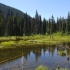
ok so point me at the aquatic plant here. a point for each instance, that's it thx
(41, 67)
(62, 69)
(62, 53)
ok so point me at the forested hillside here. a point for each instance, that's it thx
(15, 23)
(5, 9)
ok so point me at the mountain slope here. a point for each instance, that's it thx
(5, 8)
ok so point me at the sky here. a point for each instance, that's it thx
(45, 8)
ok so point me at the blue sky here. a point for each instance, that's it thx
(45, 8)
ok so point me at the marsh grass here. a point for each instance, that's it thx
(57, 38)
(8, 44)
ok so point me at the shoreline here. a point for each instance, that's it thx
(13, 41)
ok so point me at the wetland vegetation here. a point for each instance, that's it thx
(14, 41)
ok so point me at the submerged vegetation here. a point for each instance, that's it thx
(41, 67)
(62, 53)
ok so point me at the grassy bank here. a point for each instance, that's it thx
(53, 39)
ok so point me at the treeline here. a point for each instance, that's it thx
(19, 26)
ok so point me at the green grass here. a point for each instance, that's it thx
(53, 39)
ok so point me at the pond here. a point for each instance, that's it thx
(28, 58)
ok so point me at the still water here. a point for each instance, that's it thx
(31, 57)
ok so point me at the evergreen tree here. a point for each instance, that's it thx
(36, 23)
(9, 27)
(25, 24)
(29, 26)
(68, 22)
(2, 25)
(40, 25)
(44, 26)
(57, 24)
(16, 25)
(33, 26)
(60, 25)
(52, 25)
(63, 25)
(21, 26)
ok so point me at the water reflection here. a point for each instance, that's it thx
(28, 58)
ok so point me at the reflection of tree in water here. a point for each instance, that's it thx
(44, 49)
(25, 51)
(68, 52)
(37, 52)
(51, 49)
(14, 52)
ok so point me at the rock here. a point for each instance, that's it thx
(68, 58)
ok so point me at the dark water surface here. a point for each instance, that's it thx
(31, 57)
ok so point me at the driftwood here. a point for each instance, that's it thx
(61, 46)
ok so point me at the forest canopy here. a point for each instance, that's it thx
(17, 25)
